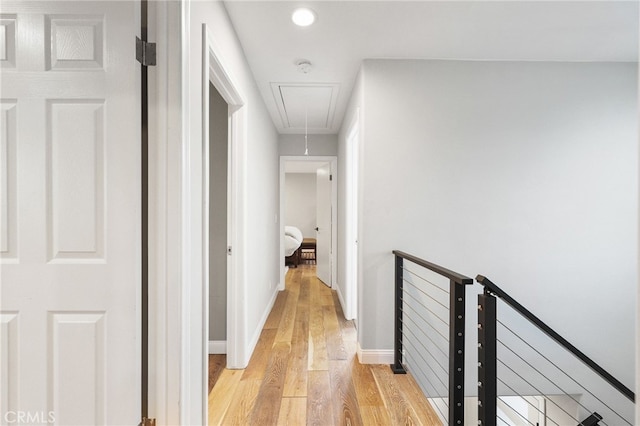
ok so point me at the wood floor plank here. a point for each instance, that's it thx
(273, 320)
(399, 408)
(346, 410)
(243, 402)
(416, 399)
(318, 357)
(370, 400)
(217, 363)
(345, 324)
(260, 358)
(374, 415)
(326, 297)
(333, 334)
(319, 407)
(347, 327)
(293, 412)
(304, 297)
(222, 394)
(267, 405)
(285, 328)
(295, 383)
(365, 384)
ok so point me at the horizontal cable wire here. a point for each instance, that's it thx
(426, 322)
(502, 420)
(426, 362)
(548, 379)
(562, 371)
(428, 351)
(426, 378)
(446, 400)
(426, 335)
(536, 408)
(515, 411)
(426, 294)
(445, 322)
(536, 389)
(426, 280)
(422, 377)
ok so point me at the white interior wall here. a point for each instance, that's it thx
(301, 202)
(523, 172)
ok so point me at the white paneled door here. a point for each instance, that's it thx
(70, 214)
(324, 228)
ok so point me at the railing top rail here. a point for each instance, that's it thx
(497, 291)
(457, 278)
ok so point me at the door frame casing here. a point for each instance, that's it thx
(215, 72)
(333, 161)
(166, 163)
(352, 255)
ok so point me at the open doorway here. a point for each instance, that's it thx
(218, 296)
(308, 201)
(218, 221)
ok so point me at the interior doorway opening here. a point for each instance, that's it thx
(319, 173)
(218, 220)
(227, 237)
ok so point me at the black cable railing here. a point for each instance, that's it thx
(430, 332)
(528, 374)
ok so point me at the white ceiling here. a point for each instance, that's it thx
(346, 32)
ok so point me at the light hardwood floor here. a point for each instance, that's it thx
(305, 371)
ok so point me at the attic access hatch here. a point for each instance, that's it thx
(317, 100)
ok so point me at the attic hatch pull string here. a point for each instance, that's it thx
(306, 146)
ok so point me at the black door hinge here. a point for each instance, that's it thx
(145, 52)
(330, 178)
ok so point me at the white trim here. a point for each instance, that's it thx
(333, 160)
(375, 356)
(193, 256)
(352, 213)
(263, 320)
(167, 130)
(186, 375)
(217, 347)
(341, 299)
(214, 71)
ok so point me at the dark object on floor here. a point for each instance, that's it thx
(308, 246)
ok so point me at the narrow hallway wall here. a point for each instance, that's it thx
(524, 172)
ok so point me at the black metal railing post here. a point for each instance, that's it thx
(493, 289)
(456, 334)
(397, 366)
(487, 359)
(456, 352)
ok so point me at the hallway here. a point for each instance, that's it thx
(304, 370)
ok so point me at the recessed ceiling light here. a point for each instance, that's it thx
(303, 17)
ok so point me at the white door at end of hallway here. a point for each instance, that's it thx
(70, 213)
(324, 231)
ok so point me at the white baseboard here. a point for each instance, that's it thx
(256, 335)
(342, 303)
(217, 347)
(375, 356)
